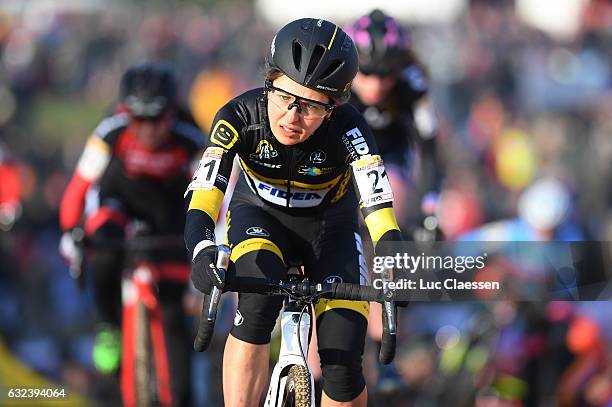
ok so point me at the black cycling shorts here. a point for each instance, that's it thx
(264, 239)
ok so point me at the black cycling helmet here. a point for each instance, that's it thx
(380, 43)
(148, 89)
(317, 54)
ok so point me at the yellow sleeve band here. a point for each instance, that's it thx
(254, 244)
(208, 201)
(381, 221)
(362, 307)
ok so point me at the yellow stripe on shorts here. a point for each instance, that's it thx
(254, 244)
(362, 307)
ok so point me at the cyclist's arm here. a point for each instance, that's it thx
(10, 189)
(91, 166)
(372, 183)
(207, 188)
(426, 124)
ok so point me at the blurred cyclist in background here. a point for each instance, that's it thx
(136, 165)
(390, 90)
(10, 191)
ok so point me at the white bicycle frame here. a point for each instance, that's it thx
(289, 355)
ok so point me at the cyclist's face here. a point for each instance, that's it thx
(289, 126)
(373, 89)
(152, 133)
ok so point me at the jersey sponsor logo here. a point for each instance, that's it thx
(257, 231)
(333, 279)
(298, 198)
(238, 318)
(224, 134)
(267, 165)
(314, 171)
(355, 142)
(317, 157)
(265, 151)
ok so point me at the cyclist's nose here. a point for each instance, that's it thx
(293, 115)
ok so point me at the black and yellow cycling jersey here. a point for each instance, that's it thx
(302, 179)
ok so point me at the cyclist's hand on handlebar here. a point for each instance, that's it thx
(71, 247)
(204, 272)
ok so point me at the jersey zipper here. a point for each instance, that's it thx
(290, 162)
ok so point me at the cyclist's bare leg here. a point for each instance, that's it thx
(360, 401)
(245, 372)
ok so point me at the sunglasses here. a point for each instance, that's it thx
(307, 108)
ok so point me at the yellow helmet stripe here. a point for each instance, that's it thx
(332, 38)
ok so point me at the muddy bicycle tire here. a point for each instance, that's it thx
(298, 392)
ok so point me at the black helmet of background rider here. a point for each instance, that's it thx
(317, 54)
(148, 90)
(381, 43)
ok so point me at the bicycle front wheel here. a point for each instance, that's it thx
(143, 367)
(298, 392)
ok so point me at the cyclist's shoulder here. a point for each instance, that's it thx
(247, 105)
(236, 116)
(412, 81)
(186, 131)
(111, 126)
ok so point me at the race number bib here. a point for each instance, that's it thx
(206, 174)
(372, 181)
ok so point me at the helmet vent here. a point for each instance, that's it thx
(331, 69)
(297, 55)
(317, 54)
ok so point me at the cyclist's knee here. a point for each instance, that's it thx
(343, 381)
(255, 318)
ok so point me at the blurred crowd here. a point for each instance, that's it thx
(517, 107)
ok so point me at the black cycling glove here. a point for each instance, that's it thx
(204, 271)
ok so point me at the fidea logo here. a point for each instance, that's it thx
(358, 141)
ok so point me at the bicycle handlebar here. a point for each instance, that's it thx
(298, 289)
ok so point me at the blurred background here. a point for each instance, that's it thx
(522, 91)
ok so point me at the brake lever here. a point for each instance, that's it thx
(223, 257)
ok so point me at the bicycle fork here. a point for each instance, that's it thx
(290, 353)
